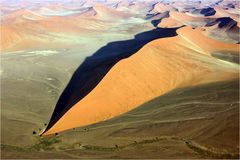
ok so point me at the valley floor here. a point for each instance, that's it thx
(196, 122)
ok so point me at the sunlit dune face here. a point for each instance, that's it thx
(160, 66)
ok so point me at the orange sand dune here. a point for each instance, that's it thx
(160, 66)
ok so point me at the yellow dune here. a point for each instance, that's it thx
(160, 66)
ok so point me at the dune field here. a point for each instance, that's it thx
(118, 79)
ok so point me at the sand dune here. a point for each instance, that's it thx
(196, 16)
(220, 28)
(25, 27)
(204, 11)
(160, 7)
(188, 20)
(157, 18)
(81, 18)
(225, 29)
(177, 18)
(106, 13)
(224, 13)
(149, 71)
(204, 44)
(170, 23)
(40, 27)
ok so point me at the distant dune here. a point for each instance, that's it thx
(41, 26)
(169, 23)
(209, 11)
(105, 13)
(148, 74)
(204, 44)
(159, 7)
(225, 29)
(225, 13)
(18, 25)
(26, 28)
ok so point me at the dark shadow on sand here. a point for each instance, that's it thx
(95, 67)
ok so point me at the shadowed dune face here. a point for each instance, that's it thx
(208, 11)
(134, 81)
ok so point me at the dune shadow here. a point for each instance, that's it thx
(223, 22)
(95, 67)
(209, 11)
